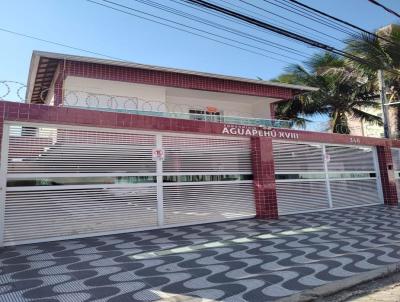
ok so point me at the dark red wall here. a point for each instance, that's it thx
(261, 146)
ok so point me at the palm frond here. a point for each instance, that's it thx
(367, 117)
(368, 47)
(321, 62)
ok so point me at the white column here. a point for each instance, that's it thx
(160, 193)
(378, 174)
(327, 181)
(3, 179)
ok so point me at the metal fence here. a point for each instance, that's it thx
(16, 92)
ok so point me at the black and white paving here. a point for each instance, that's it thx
(246, 260)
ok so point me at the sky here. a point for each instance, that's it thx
(85, 25)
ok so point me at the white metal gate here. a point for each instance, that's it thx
(312, 177)
(396, 168)
(68, 182)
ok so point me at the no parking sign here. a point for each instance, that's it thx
(158, 154)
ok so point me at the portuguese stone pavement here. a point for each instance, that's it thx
(247, 260)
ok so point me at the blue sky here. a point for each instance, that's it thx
(85, 25)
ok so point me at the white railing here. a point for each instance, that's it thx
(135, 105)
(16, 91)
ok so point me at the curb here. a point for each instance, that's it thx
(337, 286)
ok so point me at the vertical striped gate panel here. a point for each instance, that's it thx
(65, 182)
(300, 177)
(352, 175)
(396, 168)
(206, 179)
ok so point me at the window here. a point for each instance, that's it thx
(204, 115)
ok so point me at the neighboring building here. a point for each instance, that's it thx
(358, 127)
(362, 128)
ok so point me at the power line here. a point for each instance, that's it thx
(281, 31)
(298, 30)
(310, 17)
(225, 28)
(298, 23)
(277, 29)
(197, 29)
(187, 31)
(343, 28)
(58, 44)
(341, 21)
(239, 22)
(385, 8)
(323, 18)
(119, 59)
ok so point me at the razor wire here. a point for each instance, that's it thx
(16, 91)
(137, 105)
(12, 90)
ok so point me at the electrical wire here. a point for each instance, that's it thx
(279, 23)
(385, 8)
(197, 29)
(24, 35)
(285, 33)
(228, 29)
(285, 18)
(371, 34)
(311, 17)
(58, 44)
(294, 8)
(237, 22)
(184, 30)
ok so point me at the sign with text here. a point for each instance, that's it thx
(259, 131)
(158, 154)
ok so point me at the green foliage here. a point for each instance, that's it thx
(345, 89)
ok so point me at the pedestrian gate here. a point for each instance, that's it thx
(66, 182)
(312, 177)
(396, 168)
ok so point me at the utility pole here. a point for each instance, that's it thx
(382, 90)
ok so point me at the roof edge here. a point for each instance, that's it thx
(53, 55)
(31, 75)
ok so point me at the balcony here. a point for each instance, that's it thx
(134, 105)
(15, 91)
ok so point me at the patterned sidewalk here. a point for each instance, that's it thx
(247, 260)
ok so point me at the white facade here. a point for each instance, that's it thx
(87, 92)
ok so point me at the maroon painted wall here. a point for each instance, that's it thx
(261, 145)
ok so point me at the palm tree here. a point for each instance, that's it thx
(382, 53)
(342, 93)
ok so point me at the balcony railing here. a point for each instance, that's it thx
(11, 91)
(134, 105)
(203, 117)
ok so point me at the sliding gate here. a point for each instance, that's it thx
(311, 177)
(66, 182)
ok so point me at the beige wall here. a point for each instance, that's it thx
(364, 128)
(158, 98)
(77, 89)
(182, 100)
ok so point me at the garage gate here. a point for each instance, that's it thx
(311, 177)
(69, 182)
